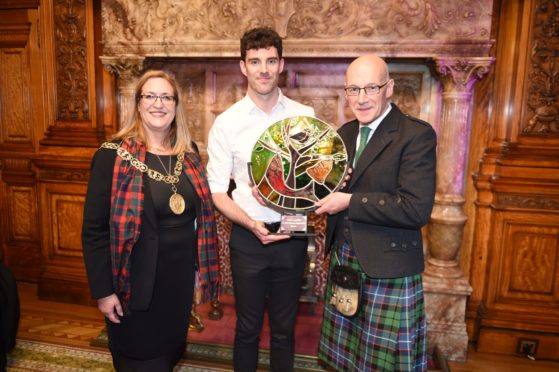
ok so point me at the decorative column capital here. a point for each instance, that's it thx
(124, 67)
(459, 74)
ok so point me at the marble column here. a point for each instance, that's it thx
(446, 288)
(127, 70)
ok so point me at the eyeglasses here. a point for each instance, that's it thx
(152, 98)
(369, 89)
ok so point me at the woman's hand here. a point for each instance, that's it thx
(110, 307)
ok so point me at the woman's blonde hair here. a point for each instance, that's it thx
(133, 128)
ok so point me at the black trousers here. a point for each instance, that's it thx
(164, 363)
(275, 272)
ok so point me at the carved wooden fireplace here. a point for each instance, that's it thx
(436, 53)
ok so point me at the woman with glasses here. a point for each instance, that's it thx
(148, 228)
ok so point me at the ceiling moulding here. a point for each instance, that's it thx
(326, 28)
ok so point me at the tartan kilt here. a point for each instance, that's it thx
(388, 333)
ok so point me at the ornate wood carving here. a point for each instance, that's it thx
(330, 27)
(528, 202)
(542, 104)
(62, 170)
(408, 89)
(391, 20)
(72, 82)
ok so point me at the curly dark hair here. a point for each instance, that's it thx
(258, 38)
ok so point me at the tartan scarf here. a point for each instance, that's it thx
(126, 221)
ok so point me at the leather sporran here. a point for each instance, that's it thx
(346, 290)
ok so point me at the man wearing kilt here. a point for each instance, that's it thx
(374, 227)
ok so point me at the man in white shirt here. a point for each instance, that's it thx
(263, 264)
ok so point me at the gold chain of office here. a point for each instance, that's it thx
(171, 179)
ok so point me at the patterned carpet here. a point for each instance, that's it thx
(36, 356)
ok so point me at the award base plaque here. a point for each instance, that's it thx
(295, 224)
(296, 162)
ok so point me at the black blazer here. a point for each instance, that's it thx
(96, 238)
(393, 191)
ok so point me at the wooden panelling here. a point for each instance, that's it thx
(14, 28)
(19, 4)
(66, 228)
(515, 252)
(63, 275)
(48, 132)
(21, 231)
(531, 264)
(16, 129)
(14, 91)
(18, 120)
(500, 341)
(526, 253)
(21, 206)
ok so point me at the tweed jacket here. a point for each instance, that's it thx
(392, 191)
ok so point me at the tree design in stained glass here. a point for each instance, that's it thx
(298, 161)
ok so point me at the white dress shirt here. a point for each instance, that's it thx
(373, 125)
(230, 143)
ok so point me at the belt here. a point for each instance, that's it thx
(272, 226)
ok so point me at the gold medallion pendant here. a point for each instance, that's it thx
(176, 203)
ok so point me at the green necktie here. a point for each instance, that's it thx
(363, 139)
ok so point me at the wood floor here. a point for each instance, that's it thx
(75, 325)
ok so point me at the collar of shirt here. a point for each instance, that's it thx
(375, 123)
(251, 107)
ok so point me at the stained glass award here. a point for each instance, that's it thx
(296, 162)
